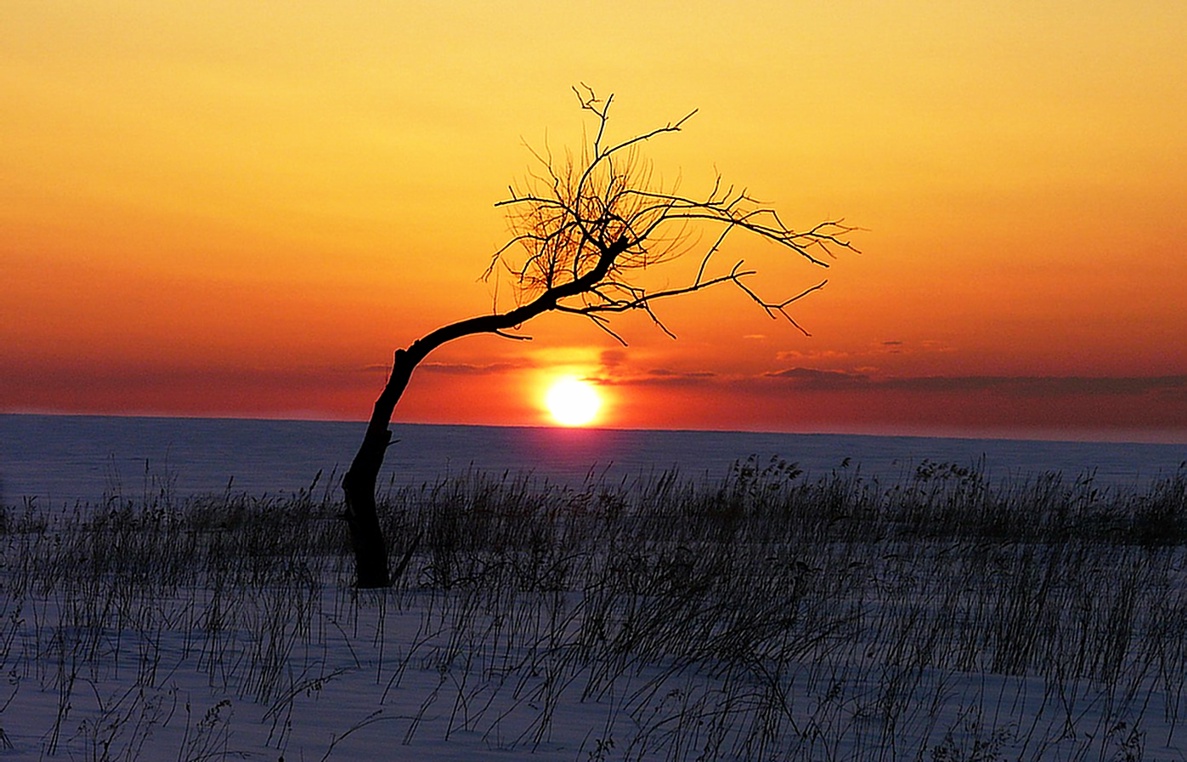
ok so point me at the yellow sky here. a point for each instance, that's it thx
(240, 208)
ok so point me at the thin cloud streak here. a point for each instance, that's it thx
(818, 380)
(475, 369)
(1033, 386)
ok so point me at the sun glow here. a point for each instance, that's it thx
(573, 402)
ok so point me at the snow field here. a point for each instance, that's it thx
(758, 618)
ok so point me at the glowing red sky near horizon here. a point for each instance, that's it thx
(228, 210)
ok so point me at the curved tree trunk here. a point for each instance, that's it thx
(359, 483)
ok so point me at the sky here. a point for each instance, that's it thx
(243, 209)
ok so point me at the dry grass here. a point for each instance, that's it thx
(765, 616)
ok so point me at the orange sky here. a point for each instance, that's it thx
(242, 209)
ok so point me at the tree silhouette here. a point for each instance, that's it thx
(583, 229)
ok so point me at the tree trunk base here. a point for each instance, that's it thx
(362, 517)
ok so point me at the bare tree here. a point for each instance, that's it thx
(583, 229)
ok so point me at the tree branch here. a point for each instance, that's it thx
(585, 228)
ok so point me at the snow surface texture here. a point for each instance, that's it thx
(746, 621)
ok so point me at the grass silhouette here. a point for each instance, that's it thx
(765, 615)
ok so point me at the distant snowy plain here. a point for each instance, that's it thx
(918, 610)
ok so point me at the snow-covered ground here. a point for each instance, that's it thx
(583, 626)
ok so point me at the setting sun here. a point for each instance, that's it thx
(573, 402)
